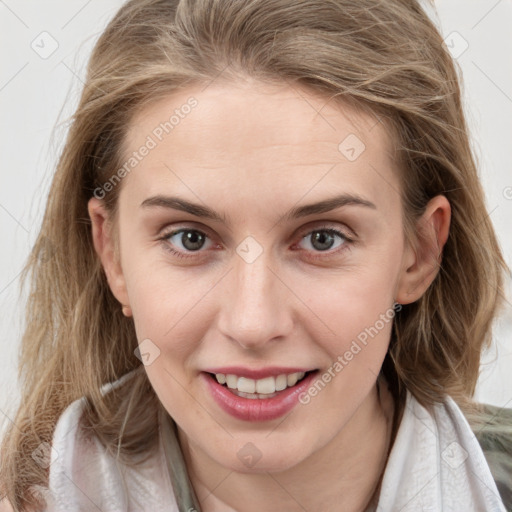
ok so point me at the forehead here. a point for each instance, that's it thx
(255, 137)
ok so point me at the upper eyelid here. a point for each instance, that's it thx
(326, 227)
(165, 231)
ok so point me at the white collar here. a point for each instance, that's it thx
(436, 464)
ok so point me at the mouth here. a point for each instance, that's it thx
(257, 400)
(265, 388)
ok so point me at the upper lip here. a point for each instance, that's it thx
(253, 373)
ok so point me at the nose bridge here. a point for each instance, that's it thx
(256, 310)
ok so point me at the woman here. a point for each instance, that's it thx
(268, 235)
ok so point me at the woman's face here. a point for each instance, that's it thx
(260, 234)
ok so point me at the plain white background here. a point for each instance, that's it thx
(44, 50)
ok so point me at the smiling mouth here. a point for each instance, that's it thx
(268, 387)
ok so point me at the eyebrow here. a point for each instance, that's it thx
(297, 212)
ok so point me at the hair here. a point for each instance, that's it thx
(383, 58)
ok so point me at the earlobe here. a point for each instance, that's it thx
(422, 263)
(105, 246)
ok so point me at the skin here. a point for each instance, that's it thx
(251, 152)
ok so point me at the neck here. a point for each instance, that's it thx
(344, 475)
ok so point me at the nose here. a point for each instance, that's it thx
(256, 308)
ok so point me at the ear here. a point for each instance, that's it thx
(106, 246)
(422, 262)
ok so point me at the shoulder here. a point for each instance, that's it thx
(77, 457)
(493, 429)
(83, 470)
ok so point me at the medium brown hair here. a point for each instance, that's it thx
(386, 58)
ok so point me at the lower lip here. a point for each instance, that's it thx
(258, 409)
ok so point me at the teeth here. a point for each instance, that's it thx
(246, 385)
(231, 381)
(266, 386)
(281, 382)
(292, 379)
(253, 396)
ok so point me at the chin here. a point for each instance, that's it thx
(250, 459)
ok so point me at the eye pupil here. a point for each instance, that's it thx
(192, 240)
(320, 237)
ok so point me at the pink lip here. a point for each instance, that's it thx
(264, 409)
(271, 371)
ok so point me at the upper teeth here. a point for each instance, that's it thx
(268, 385)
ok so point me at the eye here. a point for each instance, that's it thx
(184, 242)
(326, 240)
(191, 240)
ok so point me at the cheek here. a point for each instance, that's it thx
(158, 293)
(354, 308)
(170, 311)
(354, 328)
(163, 303)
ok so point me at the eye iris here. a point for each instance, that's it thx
(323, 238)
(192, 240)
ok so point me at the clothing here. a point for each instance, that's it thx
(436, 464)
(495, 438)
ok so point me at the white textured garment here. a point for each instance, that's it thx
(436, 465)
(83, 477)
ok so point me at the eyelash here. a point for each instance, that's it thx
(348, 241)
